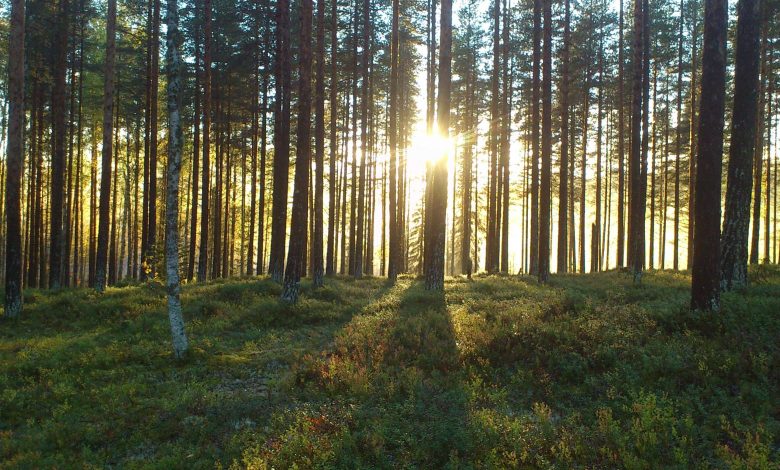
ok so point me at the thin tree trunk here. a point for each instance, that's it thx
(206, 181)
(563, 195)
(101, 257)
(317, 265)
(57, 182)
(175, 142)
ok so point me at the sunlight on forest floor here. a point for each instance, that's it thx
(499, 372)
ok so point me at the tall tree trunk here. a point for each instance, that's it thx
(151, 232)
(101, 257)
(637, 202)
(736, 221)
(195, 159)
(678, 141)
(206, 181)
(693, 143)
(295, 259)
(705, 286)
(584, 182)
(545, 187)
(506, 138)
(14, 163)
(175, 142)
(434, 276)
(263, 152)
(393, 261)
(621, 236)
(361, 196)
(563, 195)
(758, 166)
(596, 255)
(93, 205)
(535, 147)
(317, 265)
(57, 183)
(491, 254)
(333, 188)
(281, 141)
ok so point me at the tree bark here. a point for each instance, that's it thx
(101, 257)
(195, 158)
(705, 286)
(175, 142)
(317, 265)
(14, 163)
(563, 195)
(206, 181)
(434, 277)
(296, 259)
(736, 222)
(545, 187)
(392, 270)
(281, 141)
(57, 183)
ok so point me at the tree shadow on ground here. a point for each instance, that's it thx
(388, 394)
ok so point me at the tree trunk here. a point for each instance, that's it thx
(637, 202)
(705, 288)
(317, 265)
(195, 166)
(14, 163)
(57, 182)
(535, 148)
(434, 277)
(392, 270)
(678, 140)
(736, 222)
(296, 260)
(175, 142)
(263, 152)
(281, 141)
(361, 195)
(333, 187)
(206, 177)
(563, 195)
(101, 257)
(693, 124)
(545, 187)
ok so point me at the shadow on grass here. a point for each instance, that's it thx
(387, 394)
(90, 377)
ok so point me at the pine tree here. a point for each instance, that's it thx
(437, 211)
(101, 258)
(298, 233)
(14, 163)
(545, 187)
(705, 285)
(734, 240)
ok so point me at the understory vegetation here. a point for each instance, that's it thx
(586, 372)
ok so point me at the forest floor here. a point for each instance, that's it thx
(588, 372)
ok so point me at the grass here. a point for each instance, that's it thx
(588, 372)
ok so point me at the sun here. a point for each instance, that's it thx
(428, 148)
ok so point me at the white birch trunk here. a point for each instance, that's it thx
(172, 285)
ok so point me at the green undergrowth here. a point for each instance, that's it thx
(498, 372)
